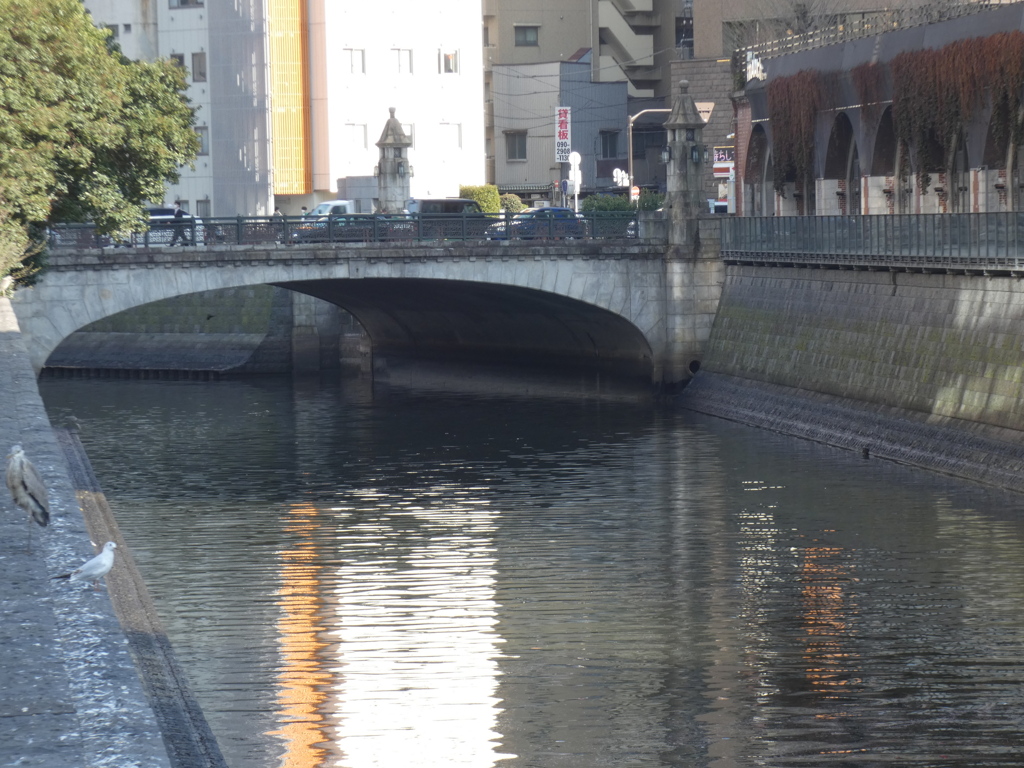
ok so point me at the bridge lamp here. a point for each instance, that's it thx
(666, 154)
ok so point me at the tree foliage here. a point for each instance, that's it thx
(512, 203)
(85, 133)
(606, 203)
(648, 201)
(485, 194)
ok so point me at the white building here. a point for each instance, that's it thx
(423, 59)
(291, 96)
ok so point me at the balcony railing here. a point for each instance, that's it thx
(913, 241)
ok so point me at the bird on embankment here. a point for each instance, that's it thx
(95, 569)
(27, 489)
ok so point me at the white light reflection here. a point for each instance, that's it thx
(417, 650)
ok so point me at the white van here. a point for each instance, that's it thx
(333, 208)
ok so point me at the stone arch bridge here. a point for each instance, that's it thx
(624, 307)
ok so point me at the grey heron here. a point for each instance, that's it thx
(95, 569)
(27, 489)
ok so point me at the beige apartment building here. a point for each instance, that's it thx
(630, 41)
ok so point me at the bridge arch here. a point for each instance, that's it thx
(595, 306)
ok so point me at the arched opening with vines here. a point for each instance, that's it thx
(841, 174)
(883, 166)
(757, 186)
(929, 175)
(992, 176)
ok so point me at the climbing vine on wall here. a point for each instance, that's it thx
(793, 104)
(934, 94)
(871, 83)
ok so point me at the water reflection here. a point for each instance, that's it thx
(303, 678)
(415, 666)
(364, 581)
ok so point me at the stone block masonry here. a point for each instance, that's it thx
(72, 697)
(920, 368)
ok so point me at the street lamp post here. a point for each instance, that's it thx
(629, 139)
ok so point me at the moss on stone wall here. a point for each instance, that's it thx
(229, 310)
(943, 345)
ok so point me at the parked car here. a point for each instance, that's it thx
(332, 208)
(346, 228)
(539, 223)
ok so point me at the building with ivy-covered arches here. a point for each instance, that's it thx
(925, 116)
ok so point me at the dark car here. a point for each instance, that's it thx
(347, 228)
(442, 205)
(540, 223)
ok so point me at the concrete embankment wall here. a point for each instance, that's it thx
(72, 696)
(89, 676)
(925, 369)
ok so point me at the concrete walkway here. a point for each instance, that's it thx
(70, 695)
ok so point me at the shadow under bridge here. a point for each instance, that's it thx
(473, 322)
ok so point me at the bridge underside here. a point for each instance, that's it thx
(487, 323)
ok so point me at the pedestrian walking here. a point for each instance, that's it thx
(179, 226)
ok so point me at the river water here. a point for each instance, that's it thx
(404, 579)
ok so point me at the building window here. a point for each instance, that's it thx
(404, 58)
(610, 145)
(127, 29)
(203, 209)
(187, 3)
(448, 62)
(356, 60)
(198, 67)
(527, 35)
(204, 139)
(355, 135)
(113, 31)
(515, 146)
(452, 133)
(178, 59)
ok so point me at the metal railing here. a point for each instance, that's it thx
(939, 241)
(352, 228)
(858, 25)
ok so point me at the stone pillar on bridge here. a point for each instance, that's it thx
(694, 270)
(393, 170)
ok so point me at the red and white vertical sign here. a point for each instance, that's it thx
(563, 135)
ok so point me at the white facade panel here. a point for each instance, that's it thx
(423, 59)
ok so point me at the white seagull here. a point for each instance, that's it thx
(27, 489)
(95, 569)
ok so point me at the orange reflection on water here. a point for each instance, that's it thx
(826, 619)
(302, 679)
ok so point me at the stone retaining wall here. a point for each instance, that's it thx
(72, 694)
(920, 368)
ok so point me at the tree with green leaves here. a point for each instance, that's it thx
(512, 203)
(85, 133)
(485, 194)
